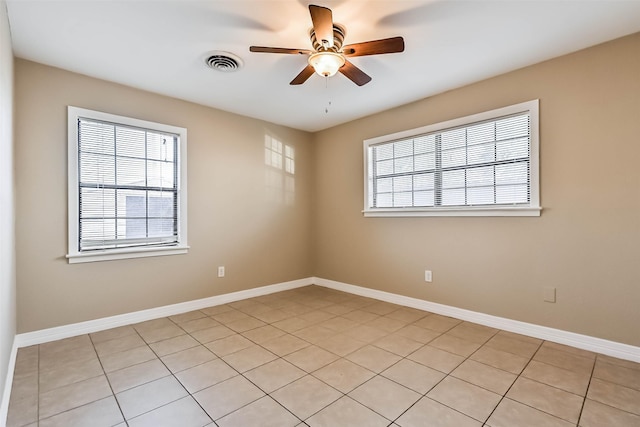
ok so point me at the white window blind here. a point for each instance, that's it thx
(126, 185)
(475, 164)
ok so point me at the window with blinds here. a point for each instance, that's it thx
(127, 188)
(484, 164)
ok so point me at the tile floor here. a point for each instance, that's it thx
(318, 357)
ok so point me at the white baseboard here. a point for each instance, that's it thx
(598, 345)
(90, 326)
(585, 342)
(8, 384)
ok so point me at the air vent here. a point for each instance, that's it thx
(223, 61)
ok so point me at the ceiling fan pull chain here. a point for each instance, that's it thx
(326, 86)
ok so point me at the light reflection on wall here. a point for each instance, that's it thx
(280, 171)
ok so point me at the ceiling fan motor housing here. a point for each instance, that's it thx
(338, 38)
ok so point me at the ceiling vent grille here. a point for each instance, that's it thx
(223, 61)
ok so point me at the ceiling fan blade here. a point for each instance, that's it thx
(322, 19)
(375, 47)
(354, 74)
(279, 50)
(303, 76)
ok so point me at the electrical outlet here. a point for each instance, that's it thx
(549, 294)
(428, 277)
(221, 271)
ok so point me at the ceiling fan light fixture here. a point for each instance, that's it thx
(326, 63)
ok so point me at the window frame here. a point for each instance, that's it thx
(532, 209)
(74, 254)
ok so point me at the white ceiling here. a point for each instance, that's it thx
(160, 46)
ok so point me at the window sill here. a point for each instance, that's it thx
(466, 211)
(114, 254)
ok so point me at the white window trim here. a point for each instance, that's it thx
(534, 207)
(74, 255)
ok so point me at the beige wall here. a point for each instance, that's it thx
(7, 236)
(240, 215)
(586, 243)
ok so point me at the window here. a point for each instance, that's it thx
(127, 187)
(482, 165)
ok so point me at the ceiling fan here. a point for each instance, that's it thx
(329, 56)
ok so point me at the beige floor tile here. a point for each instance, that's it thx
(596, 414)
(429, 413)
(366, 333)
(573, 382)
(136, 375)
(27, 360)
(247, 324)
(500, 359)
(205, 336)
(101, 413)
(73, 395)
(65, 357)
(485, 376)
(114, 361)
(54, 378)
(387, 324)
(511, 414)
(548, 399)
(341, 344)
(150, 325)
(385, 397)
(229, 345)
(205, 375)
(346, 412)
(264, 412)
(306, 396)
(407, 314)
(228, 396)
(184, 412)
(314, 333)
(249, 358)
(230, 316)
(25, 385)
(147, 397)
(435, 358)
(285, 344)
(337, 309)
(117, 345)
(615, 395)
(311, 358)
(471, 400)
(381, 308)
(22, 411)
(563, 359)
(215, 310)
(173, 345)
(189, 358)
(418, 334)
(619, 362)
(199, 324)
(65, 345)
(162, 333)
(617, 374)
(373, 358)
(274, 375)
(413, 375)
(188, 316)
(343, 375)
(339, 324)
(262, 334)
(113, 333)
(455, 345)
(513, 345)
(273, 315)
(292, 324)
(360, 316)
(573, 350)
(437, 322)
(316, 316)
(472, 332)
(398, 344)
